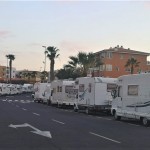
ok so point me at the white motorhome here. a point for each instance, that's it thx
(60, 92)
(132, 98)
(39, 91)
(19, 88)
(94, 93)
(47, 94)
(27, 88)
(12, 89)
(3, 89)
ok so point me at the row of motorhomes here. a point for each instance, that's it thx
(127, 96)
(12, 89)
(85, 93)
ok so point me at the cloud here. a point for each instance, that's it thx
(71, 46)
(5, 33)
(147, 4)
(34, 44)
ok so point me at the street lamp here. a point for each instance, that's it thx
(45, 58)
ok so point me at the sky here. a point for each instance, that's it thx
(72, 27)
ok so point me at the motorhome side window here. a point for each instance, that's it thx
(133, 90)
(60, 89)
(119, 91)
(68, 89)
(111, 87)
(54, 90)
(77, 82)
(81, 88)
(90, 87)
(57, 88)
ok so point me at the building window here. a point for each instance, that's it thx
(103, 55)
(109, 54)
(116, 68)
(102, 67)
(108, 67)
(127, 69)
(121, 56)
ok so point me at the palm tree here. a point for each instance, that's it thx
(132, 63)
(43, 76)
(52, 54)
(73, 63)
(11, 57)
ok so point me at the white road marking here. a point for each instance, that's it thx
(9, 96)
(58, 121)
(36, 114)
(4, 100)
(105, 137)
(24, 109)
(28, 96)
(16, 100)
(104, 118)
(36, 131)
(10, 100)
(133, 124)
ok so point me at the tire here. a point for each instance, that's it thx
(145, 121)
(87, 111)
(48, 102)
(116, 117)
(75, 108)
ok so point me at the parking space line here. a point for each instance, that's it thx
(36, 114)
(58, 121)
(133, 124)
(104, 137)
(104, 118)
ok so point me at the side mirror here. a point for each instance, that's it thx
(113, 93)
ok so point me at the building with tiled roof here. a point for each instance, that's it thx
(115, 59)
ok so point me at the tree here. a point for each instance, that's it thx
(11, 57)
(132, 63)
(73, 62)
(43, 76)
(81, 63)
(98, 62)
(52, 55)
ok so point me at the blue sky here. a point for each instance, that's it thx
(71, 26)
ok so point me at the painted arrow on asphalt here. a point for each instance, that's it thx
(37, 131)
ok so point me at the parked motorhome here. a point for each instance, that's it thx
(60, 92)
(41, 92)
(19, 88)
(94, 93)
(27, 88)
(12, 89)
(3, 89)
(132, 98)
(47, 94)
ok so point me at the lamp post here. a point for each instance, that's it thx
(45, 58)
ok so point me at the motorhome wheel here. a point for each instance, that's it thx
(116, 116)
(145, 121)
(87, 111)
